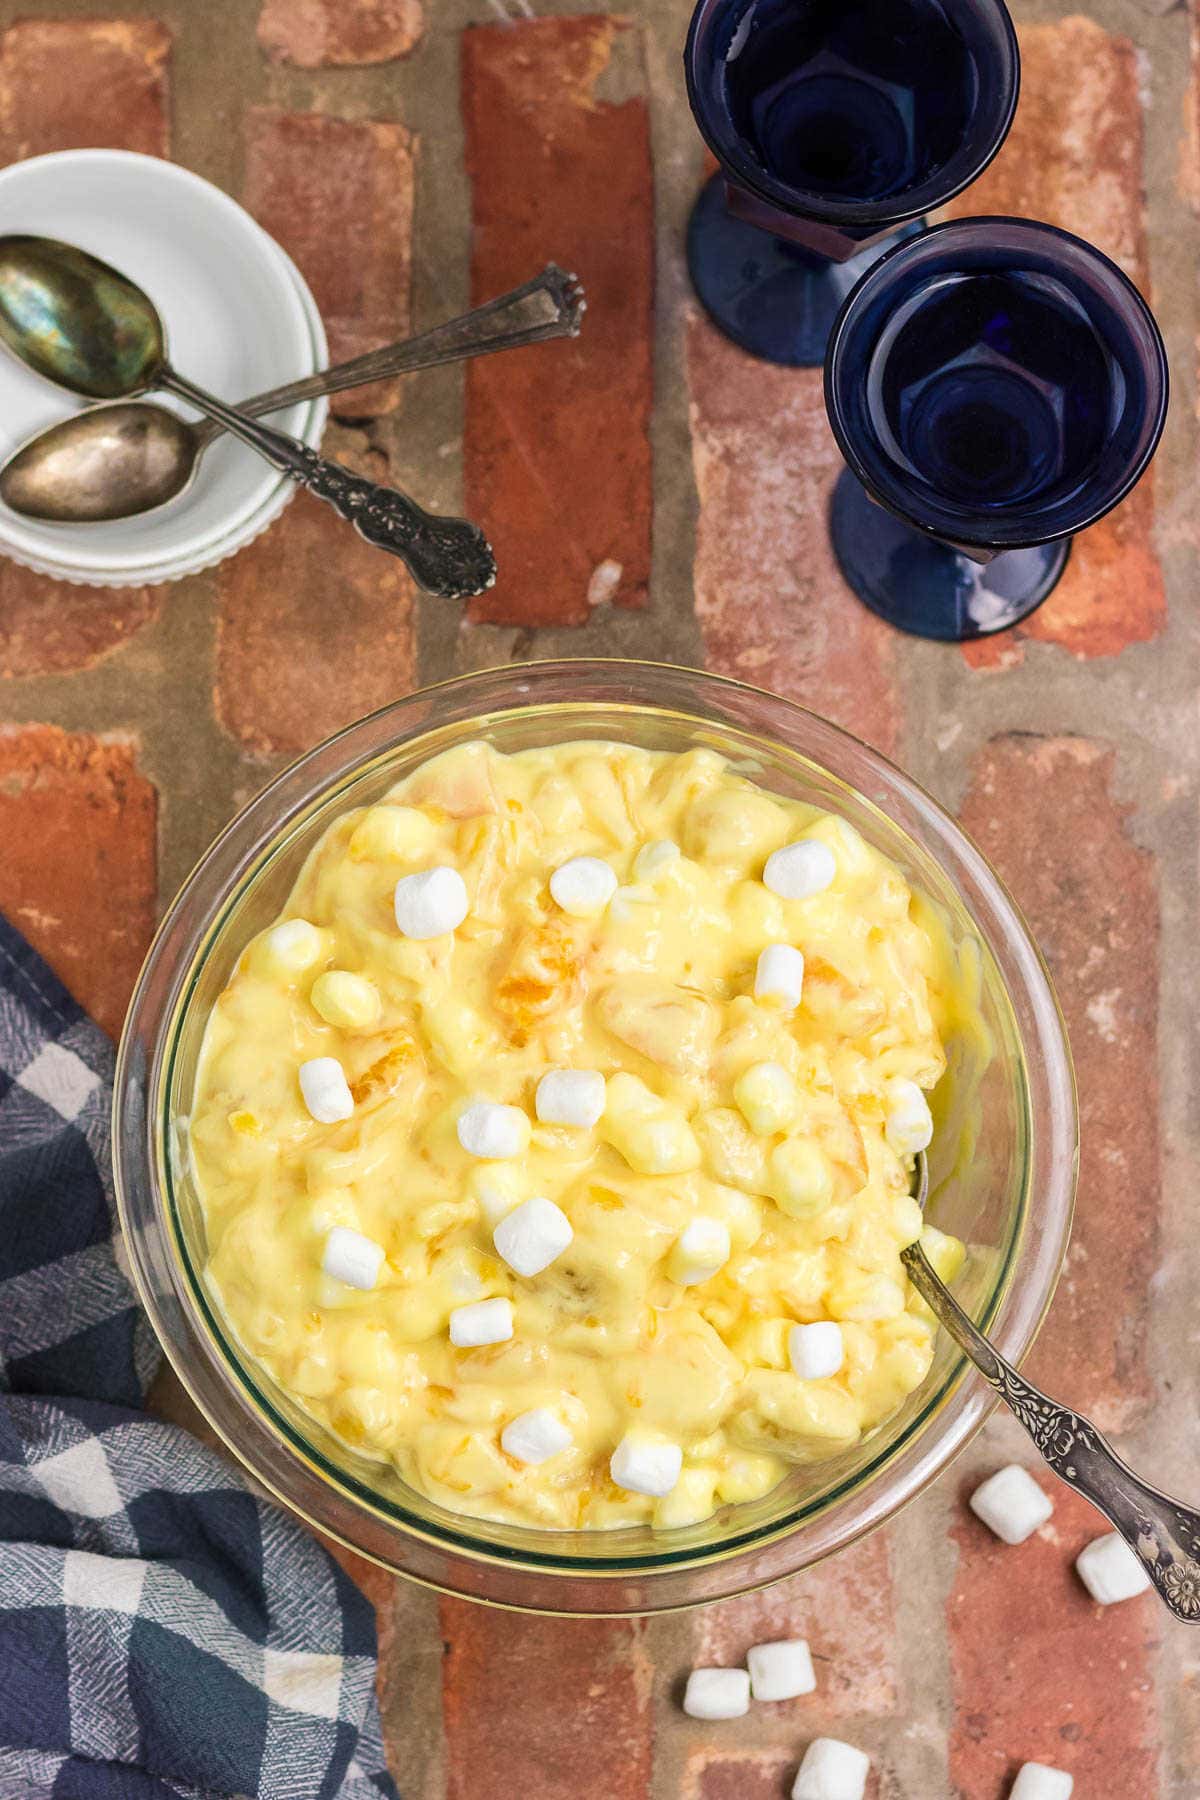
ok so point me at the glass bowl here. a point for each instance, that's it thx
(1003, 1162)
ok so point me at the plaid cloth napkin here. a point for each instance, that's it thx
(163, 1631)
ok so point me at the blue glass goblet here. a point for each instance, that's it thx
(995, 386)
(837, 124)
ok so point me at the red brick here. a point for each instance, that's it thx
(314, 626)
(1189, 150)
(557, 447)
(48, 627)
(1074, 158)
(552, 1708)
(1044, 811)
(1042, 1674)
(338, 195)
(772, 606)
(77, 876)
(67, 84)
(739, 1775)
(316, 34)
(846, 1610)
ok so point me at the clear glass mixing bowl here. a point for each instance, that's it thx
(1003, 1163)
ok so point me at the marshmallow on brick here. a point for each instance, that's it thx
(779, 976)
(800, 870)
(1110, 1571)
(352, 1258)
(583, 886)
(533, 1235)
(782, 1670)
(483, 1322)
(431, 903)
(325, 1090)
(816, 1351)
(534, 1437)
(717, 1694)
(1038, 1781)
(644, 1463)
(1011, 1504)
(832, 1770)
(571, 1097)
(493, 1132)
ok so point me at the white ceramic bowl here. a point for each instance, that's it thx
(239, 319)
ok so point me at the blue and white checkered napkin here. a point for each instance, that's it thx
(162, 1630)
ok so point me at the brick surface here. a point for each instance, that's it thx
(557, 450)
(66, 84)
(734, 1775)
(1042, 1674)
(51, 627)
(77, 874)
(314, 34)
(303, 172)
(552, 1708)
(1044, 811)
(1074, 157)
(772, 606)
(314, 626)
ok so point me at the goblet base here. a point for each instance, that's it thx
(774, 298)
(929, 588)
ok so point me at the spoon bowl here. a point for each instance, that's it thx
(112, 462)
(76, 321)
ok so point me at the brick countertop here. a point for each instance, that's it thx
(652, 491)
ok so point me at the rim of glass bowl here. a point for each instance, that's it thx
(932, 192)
(894, 494)
(464, 1559)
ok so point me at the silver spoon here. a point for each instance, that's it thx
(1163, 1534)
(85, 326)
(123, 458)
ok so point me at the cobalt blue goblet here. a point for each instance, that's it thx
(837, 124)
(995, 386)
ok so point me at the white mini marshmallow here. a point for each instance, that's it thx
(571, 1097)
(534, 1437)
(782, 1670)
(816, 1351)
(295, 945)
(325, 1090)
(483, 1322)
(350, 1257)
(583, 885)
(644, 1463)
(532, 1235)
(491, 1131)
(779, 975)
(1110, 1571)
(908, 1123)
(800, 870)
(653, 858)
(699, 1251)
(431, 903)
(832, 1770)
(630, 902)
(1011, 1504)
(717, 1694)
(1038, 1781)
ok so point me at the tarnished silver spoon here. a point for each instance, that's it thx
(88, 328)
(1163, 1534)
(123, 458)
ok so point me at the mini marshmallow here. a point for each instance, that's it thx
(717, 1694)
(628, 902)
(325, 1089)
(496, 1186)
(491, 1131)
(699, 1251)
(483, 1322)
(765, 1095)
(1110, 1571)
(644, 1463)
(779, 975)
(653, 858)
(1038, 1781)
(350, 1257)
(1011, 1504)
(800, 870)
(816, 1351)
(534, 1437)
(431, 903)
(782, 1670)
(346, 1000)
(583, 885)
(295, 945)
(832, 1770)
(571, 1097)
(908, 1123)
(531, 1236)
